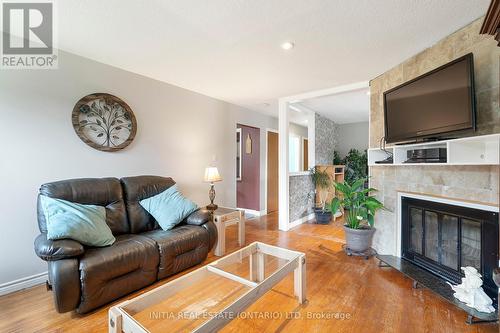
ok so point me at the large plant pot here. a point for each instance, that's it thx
(358, 240)
(322, 217)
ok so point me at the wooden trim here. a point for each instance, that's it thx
(231, 276)
(278, 251)
(492, 18)
(132, 325)
(238, 255)
(491, 23)
(115, 320)
(240, 146)
(299, 280)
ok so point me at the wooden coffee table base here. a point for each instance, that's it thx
(222, 218)
(131, 316)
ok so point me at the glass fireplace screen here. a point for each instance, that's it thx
(445, 239)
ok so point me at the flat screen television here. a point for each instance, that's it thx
(432, 105)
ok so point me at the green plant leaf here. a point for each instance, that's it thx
(335, 205)
(356, 165)
(368, 190)
(343, 188)
(371, 220)
(373, 204)
(358, 205)
(358, 183)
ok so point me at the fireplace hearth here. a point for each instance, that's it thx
(441, 238)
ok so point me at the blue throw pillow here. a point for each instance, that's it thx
(83, 223)
(169, 207)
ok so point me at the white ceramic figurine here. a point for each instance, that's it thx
(471, 292)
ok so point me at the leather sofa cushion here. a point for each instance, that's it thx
(136, 189)
(105, 192)
(108, 273)
(180, 248)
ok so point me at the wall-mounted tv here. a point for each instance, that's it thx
(432, 105)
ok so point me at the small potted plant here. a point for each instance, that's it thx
(322, 184)
(359, 211)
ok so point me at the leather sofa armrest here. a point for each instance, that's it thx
(65, 279)
(212, 234)
(199, 217)
(51, 250)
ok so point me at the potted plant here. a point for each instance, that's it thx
(359, 211)
(322, 184)
(356, 165)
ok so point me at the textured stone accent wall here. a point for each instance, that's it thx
(462, 182)
(301, 197)
(326, 139)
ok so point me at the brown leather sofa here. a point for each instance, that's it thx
(84, 278)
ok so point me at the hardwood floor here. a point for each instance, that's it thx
(345, 294)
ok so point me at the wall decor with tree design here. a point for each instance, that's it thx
(104, 122)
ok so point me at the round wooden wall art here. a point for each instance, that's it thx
(104, 122)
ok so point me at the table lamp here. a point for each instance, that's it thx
(212, 176)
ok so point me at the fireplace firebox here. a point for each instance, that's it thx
(441, 238)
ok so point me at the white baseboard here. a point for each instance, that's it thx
(23, 283)
(301, 220)
(253, 212)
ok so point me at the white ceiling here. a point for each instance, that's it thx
(230, 49)
(344, 108)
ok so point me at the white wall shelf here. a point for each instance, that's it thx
(474, 150)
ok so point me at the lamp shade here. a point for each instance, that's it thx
(212, 175)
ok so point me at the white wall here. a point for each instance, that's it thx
(179, 133)
(297, 129)
(350, 136)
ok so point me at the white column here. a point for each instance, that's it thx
(283, 196)
(311, 134)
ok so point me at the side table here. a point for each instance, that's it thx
(223, 217)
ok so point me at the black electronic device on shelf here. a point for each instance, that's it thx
(426, 155)
(388, 160)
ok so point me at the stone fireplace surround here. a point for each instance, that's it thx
(462, 183)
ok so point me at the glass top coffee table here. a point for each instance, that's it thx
(208, 298)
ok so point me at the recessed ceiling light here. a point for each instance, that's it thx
(287, 45)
